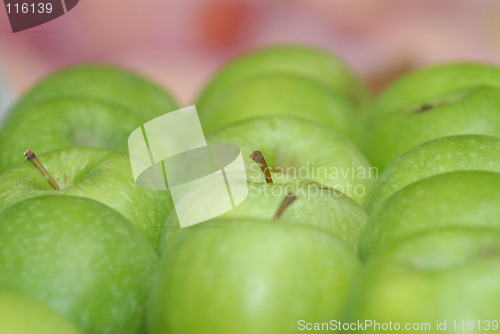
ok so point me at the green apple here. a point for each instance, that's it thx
(435, 85)
(80, 258)
(283, 93)
(98, 174)
(306, 61)
(62, 123)
(442, 281)
(436, 102)
(21, 315)
(84, 106)
(303, 149)
(250, 276)
(455, 199)
(117, 86)
(447, 154)
(316, 205)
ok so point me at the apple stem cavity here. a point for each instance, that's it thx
(284, 205)
(30, 155)
(259, 159)
(423, 108)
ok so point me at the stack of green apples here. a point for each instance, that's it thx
(431, 247)
(321, 244)
(78, 258)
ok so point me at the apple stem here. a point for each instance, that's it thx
(34, 160)
(284, 204)
(258, 157)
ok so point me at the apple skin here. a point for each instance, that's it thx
(316, 205)
(296, 145)
(447, 274)
(80, 258)
(442, 155)
(98, 174)
(431, 103)
(117, 86)
(249, 276)
(283, 93)
(455, 199)
(21, 315)
(302, 60)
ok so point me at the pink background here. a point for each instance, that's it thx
(180, 43)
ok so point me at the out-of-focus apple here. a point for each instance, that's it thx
(442, 155)
(284, 94)
(456, 199)
(83, 106)
(447, 100)
(302, 60)
(21, 315)
(103, 83)
(442, 281)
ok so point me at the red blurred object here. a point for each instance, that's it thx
(224, 23)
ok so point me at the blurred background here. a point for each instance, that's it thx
(181, 43)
